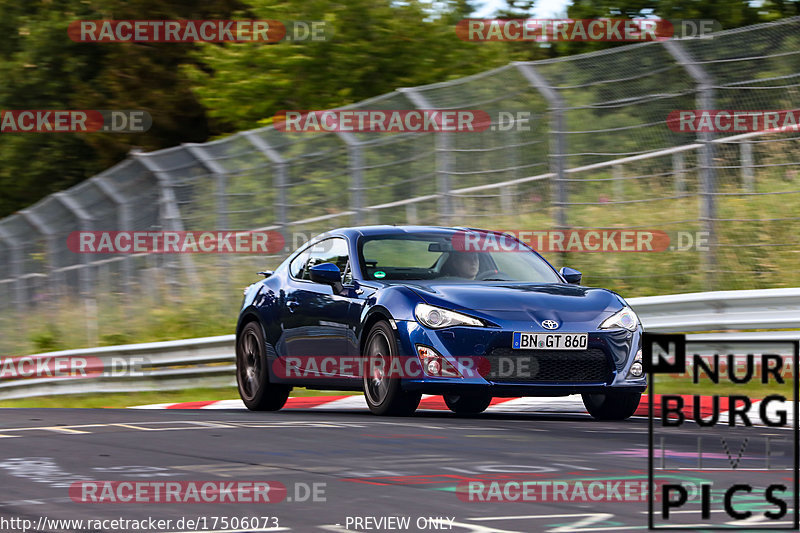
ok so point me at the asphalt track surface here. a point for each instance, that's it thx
(368, 466)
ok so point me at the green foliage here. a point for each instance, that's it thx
(47, 339)
(375, 46)
(41, 68)
(194, 92)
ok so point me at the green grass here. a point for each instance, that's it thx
(118, 400)
(754, 389)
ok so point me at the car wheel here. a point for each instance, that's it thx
(252, 374)
(467, 404)
(612, 405)
(382, 391)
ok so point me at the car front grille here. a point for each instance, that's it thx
(549, 366)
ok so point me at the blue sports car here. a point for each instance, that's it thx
(464, 313)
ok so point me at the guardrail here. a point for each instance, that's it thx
(210, 361)
(720, 310)
(168, 365)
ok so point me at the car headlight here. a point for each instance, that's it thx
(436, 317)
(624, 318)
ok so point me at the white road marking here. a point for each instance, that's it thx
(586, 519)
(153, 406)
(565, 404)
(226, 404)
(348, 402)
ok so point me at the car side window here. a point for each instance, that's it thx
(332, 250)
(298, 264)
(347, 275)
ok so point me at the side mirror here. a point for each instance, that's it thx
(571, 275)
(266, 273)
(326, 273)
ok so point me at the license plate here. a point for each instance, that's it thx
(549, 341)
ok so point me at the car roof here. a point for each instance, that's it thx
(397, 230)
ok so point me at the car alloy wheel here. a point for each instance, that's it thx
(249, 365)
(382, 390)
(376, 379)
(252, 375)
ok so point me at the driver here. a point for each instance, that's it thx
(462, 265)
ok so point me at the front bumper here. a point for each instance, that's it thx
(458, 344)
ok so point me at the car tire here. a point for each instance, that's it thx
(383, 392)
(467, 404)
(252, 374)
(612, 405)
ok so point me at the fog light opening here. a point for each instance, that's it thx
(435, 365)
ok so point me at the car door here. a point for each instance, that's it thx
(314, 319)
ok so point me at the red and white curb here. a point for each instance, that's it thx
(560, 405)
(568, 404)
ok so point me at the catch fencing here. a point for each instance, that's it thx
(211, 361)
(595, 152)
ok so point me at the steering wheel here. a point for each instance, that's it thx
(493, 275)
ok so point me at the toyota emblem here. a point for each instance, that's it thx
(549, 324)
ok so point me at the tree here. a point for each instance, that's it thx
(375, 46)
(41, 68)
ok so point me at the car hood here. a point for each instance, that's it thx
(565, 303)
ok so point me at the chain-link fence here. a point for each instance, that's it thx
(597, 154)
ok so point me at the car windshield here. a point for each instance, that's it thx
(419, 256)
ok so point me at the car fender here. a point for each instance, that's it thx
(262, 304)
(390, 303)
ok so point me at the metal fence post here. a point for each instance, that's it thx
(507, 199)
(704, 100)
(280, 176)
(221, 181)
(558, 144)
(678, 171)
(619, 185)
(169, 212)
(355, 161)
(411, 214)
(509, 193)
(106, 186)
(746, 151)
(444, 159)
(86, 279)
(52, 247)
(84, 223)
(15, 262)
(220, 177)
